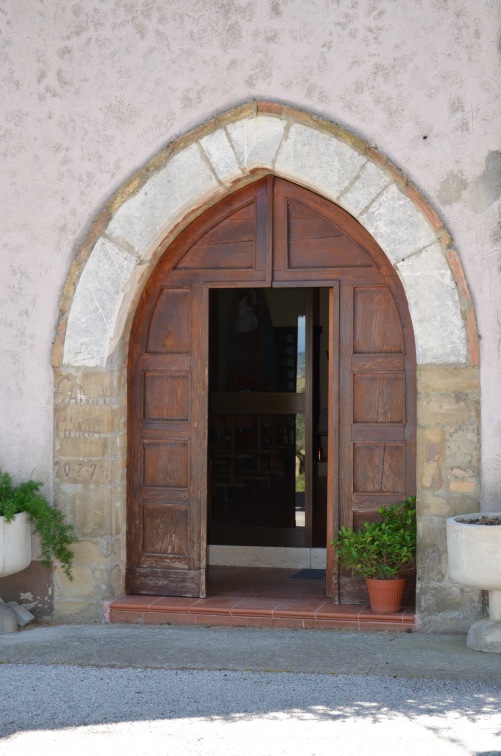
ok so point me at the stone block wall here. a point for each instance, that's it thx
(448, 479)
(89, 485)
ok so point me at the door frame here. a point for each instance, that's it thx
(208, 255)
(305, 408)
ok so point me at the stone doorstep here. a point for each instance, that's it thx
(259, 612)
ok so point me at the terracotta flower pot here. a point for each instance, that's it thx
(385, 596)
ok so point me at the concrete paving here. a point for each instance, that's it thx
(403, 655)
(199, 691)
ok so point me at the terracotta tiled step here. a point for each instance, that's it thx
(255, 612)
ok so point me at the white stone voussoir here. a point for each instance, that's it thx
(220, 152)
(434, 305)
(146, 217)
(256, 140)
(366, 186)
(96, 304)
(397, 225)
(323, 163)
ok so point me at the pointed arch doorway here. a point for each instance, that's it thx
(267, 236)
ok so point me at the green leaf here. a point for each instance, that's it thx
(55, 534)
(382, 549)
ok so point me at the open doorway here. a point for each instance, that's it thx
(267, 450)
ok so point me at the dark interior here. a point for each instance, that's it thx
(267, 377)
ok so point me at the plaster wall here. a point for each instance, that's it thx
(93, 89)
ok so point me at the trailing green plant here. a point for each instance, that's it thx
(49, 523)
(383, 550)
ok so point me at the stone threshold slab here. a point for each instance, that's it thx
(254, 612)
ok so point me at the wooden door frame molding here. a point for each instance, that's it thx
(132, 232)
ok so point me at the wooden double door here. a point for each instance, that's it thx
(269, 234)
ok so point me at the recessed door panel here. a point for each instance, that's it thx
(378, 468)
(166, 396)
(376, 322)
(170, 327)
(165, 530)
(378, 398)
(314, 241)
(166, 463)
(231, 243)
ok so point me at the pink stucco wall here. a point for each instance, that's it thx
(91, 90)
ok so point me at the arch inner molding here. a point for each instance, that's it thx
(232, 150)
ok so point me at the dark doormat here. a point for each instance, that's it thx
(309, 575)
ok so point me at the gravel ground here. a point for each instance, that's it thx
(56, 708)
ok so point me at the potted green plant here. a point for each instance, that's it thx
(382, 552)
(20, 505)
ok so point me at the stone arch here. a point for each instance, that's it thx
(131, 233)
(199, 169)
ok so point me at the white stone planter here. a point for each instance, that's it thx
(15, 544)
(474, 555)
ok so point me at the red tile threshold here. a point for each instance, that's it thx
(237, 611)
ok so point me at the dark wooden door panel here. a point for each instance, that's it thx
(167, 395)
(169, 330)
(379, 398)
(315, 240)
(165, 531)
(377, 393)
(379, 468)
(231, 243)
(165, 552)
(376, 322)
(167, 462)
